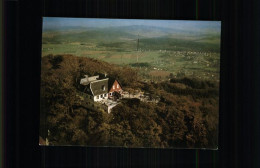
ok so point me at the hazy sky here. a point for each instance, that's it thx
(58, 22)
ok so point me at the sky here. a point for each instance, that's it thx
(59, 22)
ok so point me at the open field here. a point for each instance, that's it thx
(175, 63)
(182, 54)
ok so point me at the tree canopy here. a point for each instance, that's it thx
(185, 116)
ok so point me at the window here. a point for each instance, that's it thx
(117, 85)
(101, 96)
(105, 95)
(111, 94)
(97, 97)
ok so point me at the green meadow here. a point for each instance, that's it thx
(158, 54)
(176, 62)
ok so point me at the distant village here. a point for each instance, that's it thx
(103, 92)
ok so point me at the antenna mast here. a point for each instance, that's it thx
(137, 48)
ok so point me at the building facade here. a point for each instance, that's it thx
(114, 87)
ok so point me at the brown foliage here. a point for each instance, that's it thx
(186, 116)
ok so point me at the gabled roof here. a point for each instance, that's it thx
(99, 87)
(111, 81)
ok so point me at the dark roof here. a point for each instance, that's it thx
(97, 87)
(87, 90)
(119, 84)
(111, 82)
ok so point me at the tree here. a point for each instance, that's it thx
(55, 61)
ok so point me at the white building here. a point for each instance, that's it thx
(96, 89)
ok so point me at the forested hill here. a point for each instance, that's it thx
(186, 116)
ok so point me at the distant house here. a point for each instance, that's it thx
(96, 88)
(114, 88)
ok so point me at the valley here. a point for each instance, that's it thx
(157, 53)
